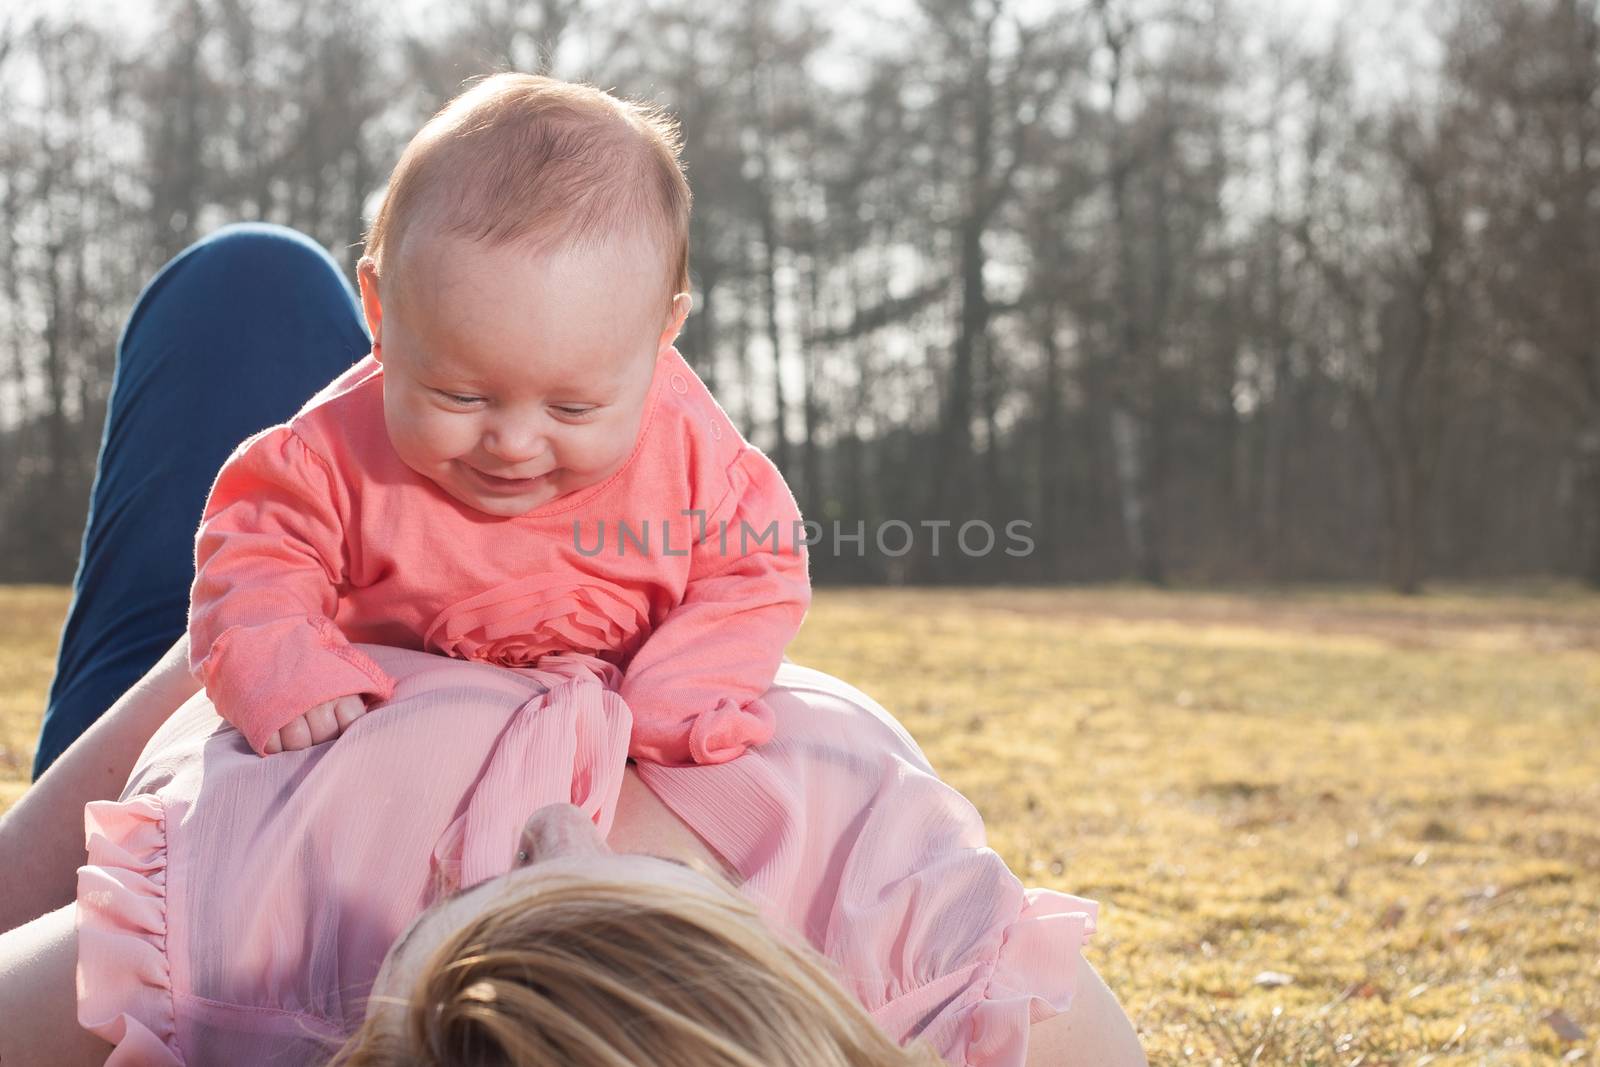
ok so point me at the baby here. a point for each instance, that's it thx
(523, 465)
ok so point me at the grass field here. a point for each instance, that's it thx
(1325, 827)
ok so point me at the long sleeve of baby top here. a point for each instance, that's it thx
(694, 686)
(684, 568)
(269, 562)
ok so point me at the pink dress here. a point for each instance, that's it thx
(687, 566)
(234, 910)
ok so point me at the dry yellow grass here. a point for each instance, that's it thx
(30, 626)
(1394, 803)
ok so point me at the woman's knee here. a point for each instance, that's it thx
(237, 330)
(256, 267)
(259, 245)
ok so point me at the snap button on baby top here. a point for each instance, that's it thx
(679, 386)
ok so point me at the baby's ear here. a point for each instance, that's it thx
(681, 305)
(371, 304)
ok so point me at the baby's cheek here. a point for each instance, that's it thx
(442, 436)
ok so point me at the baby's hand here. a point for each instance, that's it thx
(322, 723)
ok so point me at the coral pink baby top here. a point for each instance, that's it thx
(235, 910)
(687, 566)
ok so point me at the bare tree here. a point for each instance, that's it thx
(177, 95)
(1531, 71)
(1401, 284)
(1163, 209)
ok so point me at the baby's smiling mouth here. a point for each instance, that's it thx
(500, 481)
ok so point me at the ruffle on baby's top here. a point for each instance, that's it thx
(124, 982)
(515, 624)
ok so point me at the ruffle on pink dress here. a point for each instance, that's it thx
(236, 909)
(122, 919)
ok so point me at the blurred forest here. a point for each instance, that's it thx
(1164, 281)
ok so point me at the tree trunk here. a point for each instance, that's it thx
(59, 442)
(1051, 450)
(1407, 522)
(993, 493)
(177, 194)
(769, 279)
(811, 414)
(1405, 489)
(742, 333)
(1127, 427)
(703, 331)
(1589, 458)
(1272, 515)
(765, 193)
(951, 471)
(1132, 465)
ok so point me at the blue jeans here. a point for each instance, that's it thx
(230, 337)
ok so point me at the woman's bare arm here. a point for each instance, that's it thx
(1094, 1031)
(41, 837)
(37, 965)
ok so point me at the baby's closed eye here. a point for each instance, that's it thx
(575, 411)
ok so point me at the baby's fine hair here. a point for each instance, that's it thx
(549, 163)
(588, 972)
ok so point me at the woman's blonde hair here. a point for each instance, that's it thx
(548, 163)
(593, 973)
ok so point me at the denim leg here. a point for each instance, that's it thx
(230, 337)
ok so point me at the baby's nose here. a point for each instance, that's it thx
(515, 444)
(557, 830)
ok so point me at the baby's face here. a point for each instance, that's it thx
(513, 378)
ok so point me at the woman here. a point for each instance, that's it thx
(240, 910)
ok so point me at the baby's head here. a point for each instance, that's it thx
(527, 268)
